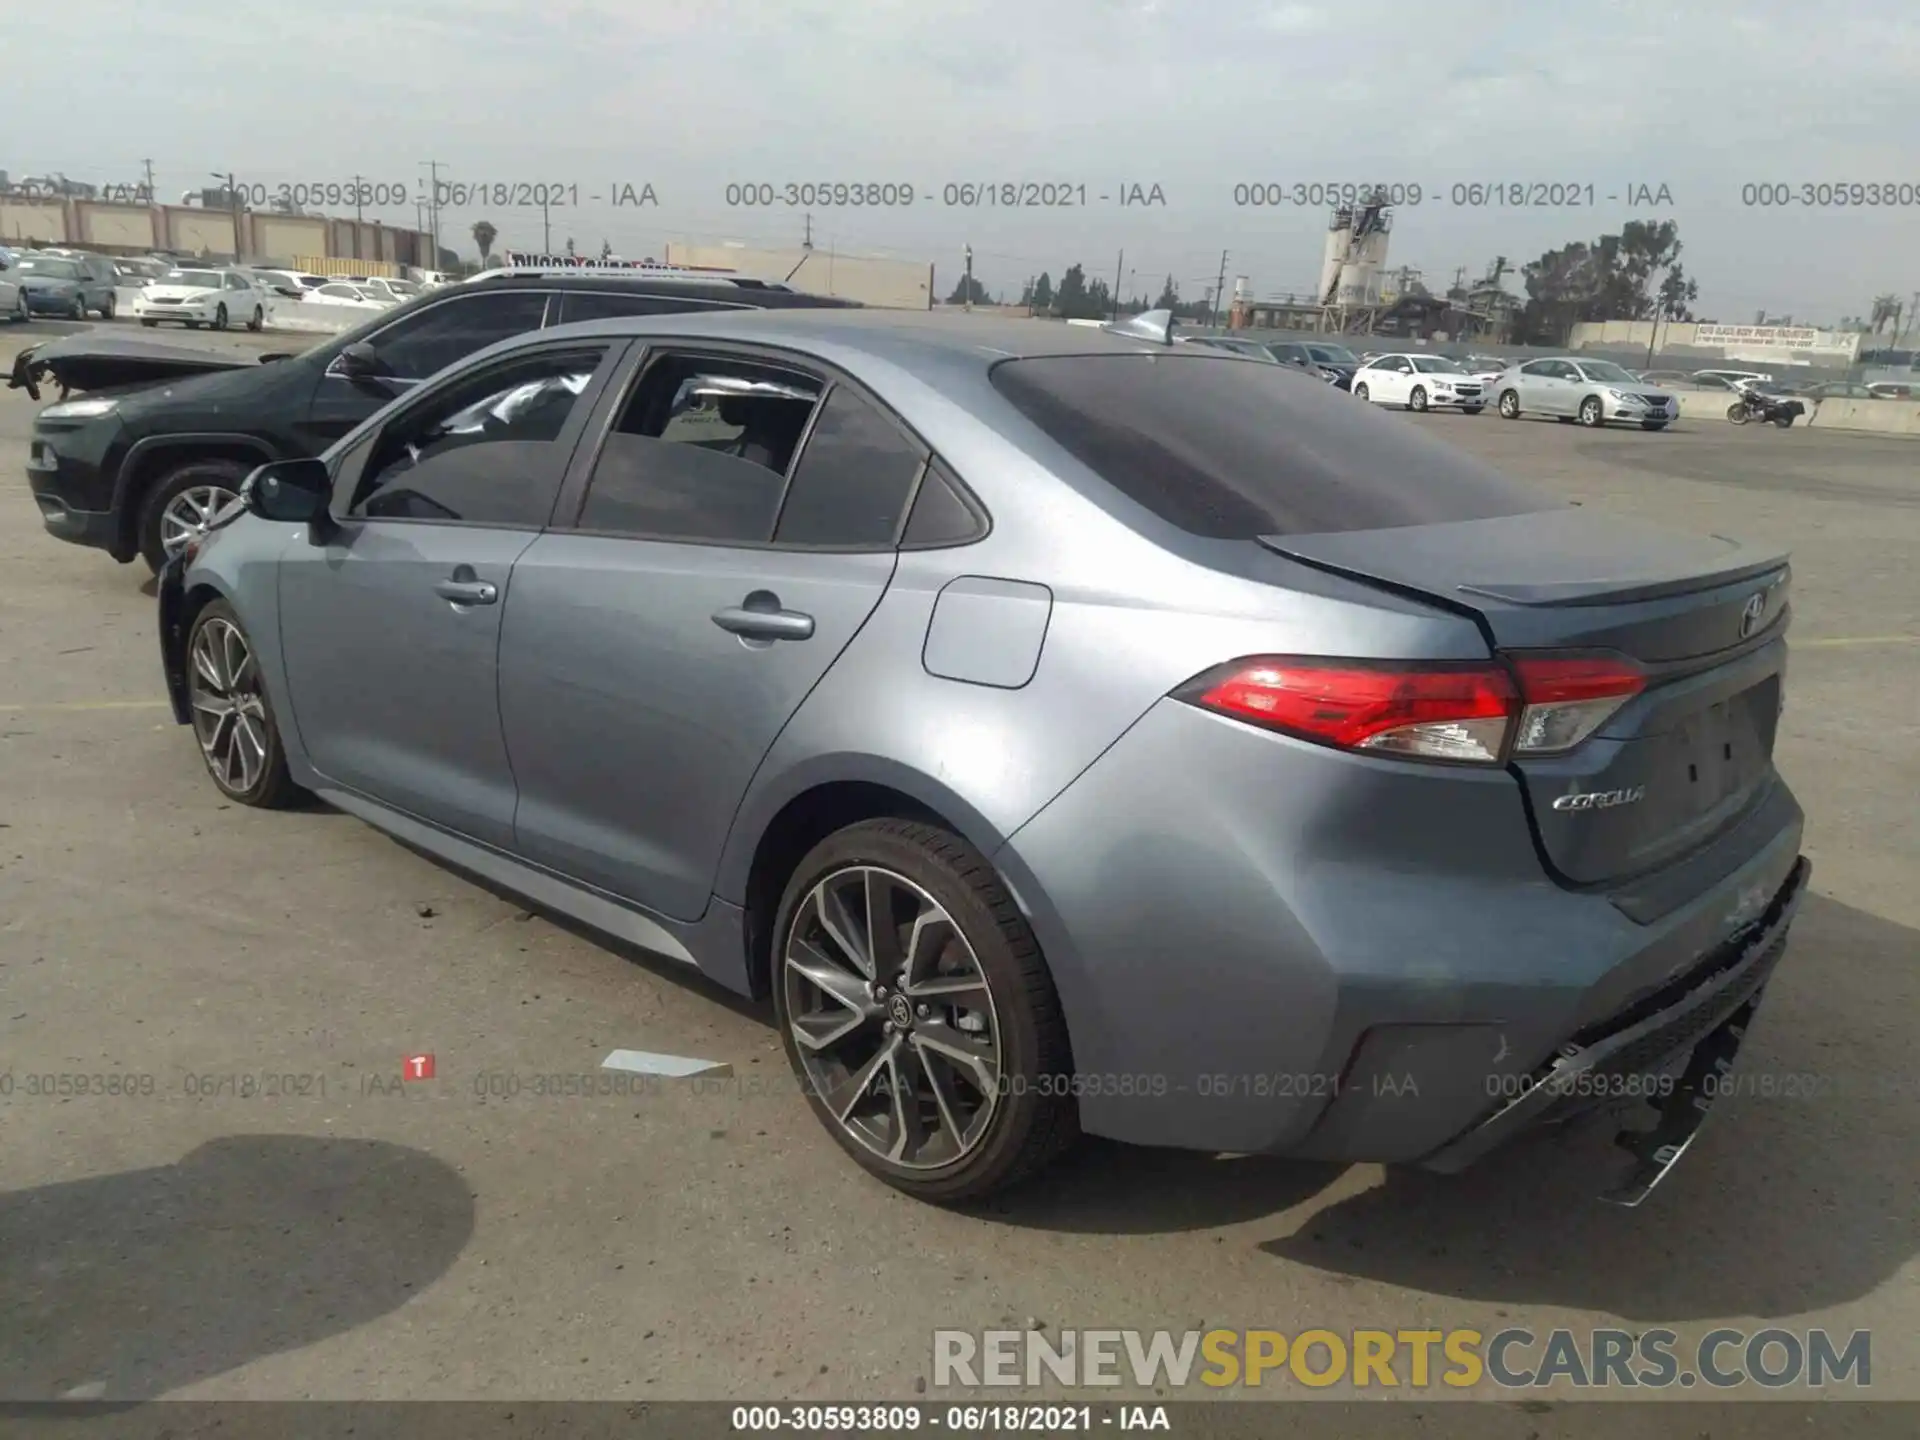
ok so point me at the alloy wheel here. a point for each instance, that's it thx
(189, 513)
(1417, 400)
(1510, 406)
(1590, 412)
(229, 712)
(892, 1018)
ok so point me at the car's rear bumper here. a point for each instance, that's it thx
(1264, 945)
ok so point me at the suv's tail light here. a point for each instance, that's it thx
(1473, 712)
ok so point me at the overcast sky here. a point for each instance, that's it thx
(1701, 97)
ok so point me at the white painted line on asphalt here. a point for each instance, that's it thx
(674, 1067)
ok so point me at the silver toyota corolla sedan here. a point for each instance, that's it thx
(1067, 730)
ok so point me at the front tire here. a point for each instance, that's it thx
(1471, 409)
(1737, 413)
(1418, 399)
(259, 319)
(918, 1014)
(1360, 392)
(220, 316)
(1653, 424)
(182, 501)
(232, 716)
(1592, 415)
(22, 314)
(151, 324)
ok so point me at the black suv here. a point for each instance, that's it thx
(140, 465)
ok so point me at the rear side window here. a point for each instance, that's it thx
(598, 305)
(1232, 451)
(854, 478)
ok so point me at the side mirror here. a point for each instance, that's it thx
(295, 491)
(358, 361)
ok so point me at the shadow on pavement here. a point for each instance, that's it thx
(1786, 1204)
(128, 1286)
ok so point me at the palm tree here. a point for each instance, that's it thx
(484, 235)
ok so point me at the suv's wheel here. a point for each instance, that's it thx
(1509, 405)
(181, 503)
(918, 1013)
(259, 319)
(232, 717)
(1590, 412)
(106, 307)
(220, 316)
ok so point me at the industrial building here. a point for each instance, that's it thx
(870, 279)
(239, 234)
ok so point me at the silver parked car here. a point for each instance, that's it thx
(1068, 731)
(1593, 392)
(14, 305)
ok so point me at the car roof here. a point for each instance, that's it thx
(926, 344)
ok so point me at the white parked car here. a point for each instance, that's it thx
(339, 292)
(291, 284)
(1734, 378)
(195, 296)
(1419, 382)
(389, 288)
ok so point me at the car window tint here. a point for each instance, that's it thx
(700, 452)
(854, 478)
(1239, 451)
(940, 516)
(600, 306)
(435, 337)
(482, 450)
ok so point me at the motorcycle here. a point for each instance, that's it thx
(1755, 404)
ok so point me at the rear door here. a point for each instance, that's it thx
(415, 345)
(710, 570)
(1703, 618)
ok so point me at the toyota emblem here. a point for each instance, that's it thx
(1751, 612)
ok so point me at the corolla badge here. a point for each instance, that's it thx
(1600, 799)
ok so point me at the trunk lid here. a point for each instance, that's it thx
(1705, 617)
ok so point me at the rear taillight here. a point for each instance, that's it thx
(1473, 712)
(1433, 711)
(1566, 699)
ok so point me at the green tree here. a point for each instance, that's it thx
(1042, 297)
(1169, 296)
(484, 235)
(1613, 278)
(960, 295)
(1071, 301)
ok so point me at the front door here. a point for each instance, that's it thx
(414, 346)
(391, 626)
(653, 653)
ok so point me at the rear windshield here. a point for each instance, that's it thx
(1232, 451)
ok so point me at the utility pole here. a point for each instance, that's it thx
(546, 224)
(1029, 297)
(148, 164)
(433, 208)
(968, 292)
(1219, 286)
(1653, 330)
(233, 207)
(1117, 271)
(358, 197)
(806, 241)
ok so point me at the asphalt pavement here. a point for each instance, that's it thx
(336, 1231)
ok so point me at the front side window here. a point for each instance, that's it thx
(483, 450)
(441, 335)
(854, 478)
(700, 452)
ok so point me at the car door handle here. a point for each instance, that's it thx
(467, 592)
(759, 620)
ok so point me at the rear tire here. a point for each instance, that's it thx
(1785, 422)
(232, 717)
(216, 475)
(106, 309)
(960, 1128)
(1509, 405)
